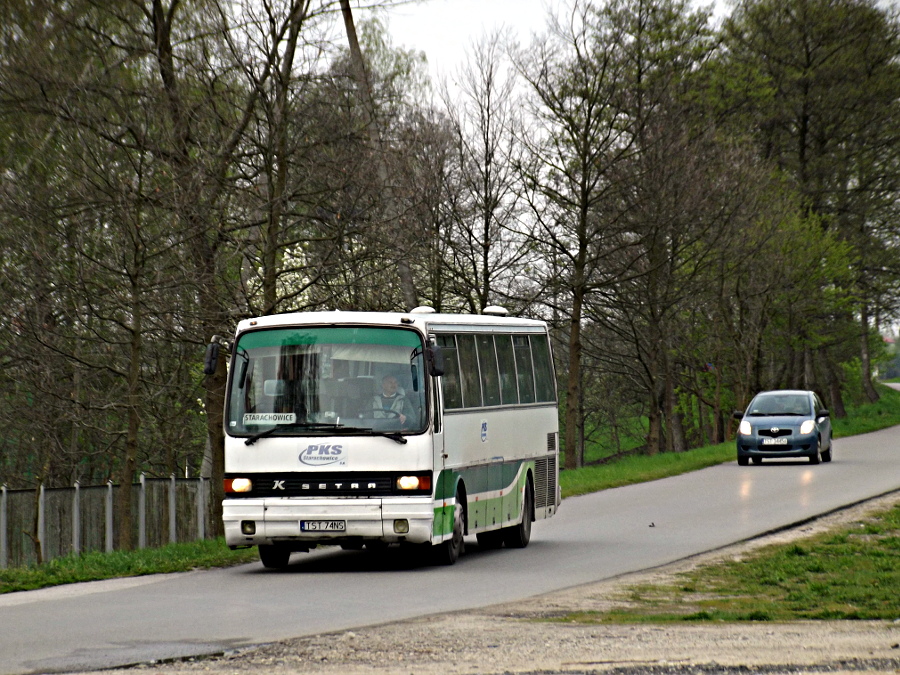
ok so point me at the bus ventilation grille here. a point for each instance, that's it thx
(545, 482)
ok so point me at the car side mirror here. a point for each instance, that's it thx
(738, 414)
(823, 413)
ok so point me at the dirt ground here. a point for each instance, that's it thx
(506, 639)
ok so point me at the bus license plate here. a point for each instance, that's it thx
(774, 441)
(323, 525)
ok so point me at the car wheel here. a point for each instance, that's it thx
(274, 557)
(448, 551)
(743, 461)
(519, 535)
(815, 457)
(826, 455)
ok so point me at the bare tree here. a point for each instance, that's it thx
(569, 175)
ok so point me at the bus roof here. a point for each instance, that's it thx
(423, 320)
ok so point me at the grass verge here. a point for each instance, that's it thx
(97, 565)
(213, 553)
(862, 418)
(851, 573)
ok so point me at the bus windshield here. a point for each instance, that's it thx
(331, 380)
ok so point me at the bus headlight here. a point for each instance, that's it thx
(238, 485)
(418, 483)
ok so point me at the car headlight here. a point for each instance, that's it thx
(807, 427)
(745, 429)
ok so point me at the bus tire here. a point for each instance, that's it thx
(274, 557)
(519, 535)
(449, 550)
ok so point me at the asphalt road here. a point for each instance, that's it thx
(594, 537)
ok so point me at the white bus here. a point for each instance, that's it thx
(369, 429)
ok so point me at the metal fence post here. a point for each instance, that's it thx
(42, 524)
(201, 509)
(4, 551)
(109, 516)
(142, 512)
(76, 519)
(173, 524)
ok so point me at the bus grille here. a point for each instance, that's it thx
(350, 484)
(545, 482)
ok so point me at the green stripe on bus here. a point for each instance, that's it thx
(509, 479)
(363, 335)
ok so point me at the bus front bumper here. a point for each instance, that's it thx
(305, 523)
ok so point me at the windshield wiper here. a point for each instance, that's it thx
(292, 425)
(393, 435)
(776, 414)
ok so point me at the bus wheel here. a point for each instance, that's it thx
(519, 535)
(448, 551)
(274, 557)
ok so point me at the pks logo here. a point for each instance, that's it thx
(323, 455)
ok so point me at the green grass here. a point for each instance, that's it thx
(624, 471)
(853, 573)
(97, 565)
(642, 468)
(867, 417)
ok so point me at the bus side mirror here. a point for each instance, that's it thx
(434, 359)
(211, 360)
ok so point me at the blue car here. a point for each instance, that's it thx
(784, 423)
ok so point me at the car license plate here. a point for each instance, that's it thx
(774, 441)
(323, 525)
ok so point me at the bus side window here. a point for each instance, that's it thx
(543, 368)
(450, 379)
(487, 358)
(468, 366)
(509, 391)
(524, 368)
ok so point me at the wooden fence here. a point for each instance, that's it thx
(81, 519)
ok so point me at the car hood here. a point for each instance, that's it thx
(776, 420)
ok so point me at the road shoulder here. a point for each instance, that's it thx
(518, 638)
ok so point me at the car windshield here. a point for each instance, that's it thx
(326, 381)
(780, 404)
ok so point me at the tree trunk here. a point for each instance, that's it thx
(865, 356)
(835, 397)
(277, 187)
(573, 390)
(360, 74)
(124, 535)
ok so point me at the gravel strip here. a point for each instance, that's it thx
(512, 638)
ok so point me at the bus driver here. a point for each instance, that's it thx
(391, 403)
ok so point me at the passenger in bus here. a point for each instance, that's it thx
(391, 403)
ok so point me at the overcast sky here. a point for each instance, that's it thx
(445, 29)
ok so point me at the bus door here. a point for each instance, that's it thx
(439, 452)
(494, 513)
